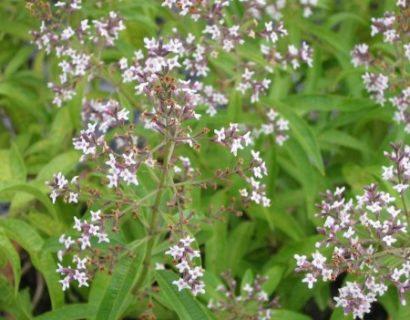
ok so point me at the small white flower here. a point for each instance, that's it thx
(95, 215)
(65, 283)
(181, 284)
(77, 224)
(220, 135)
(310, 280)
(81, 263)
(318, 260)
(196, 272)
(102, 237)
(389, 240)
(248, 289)
(300, 260)
(73, 197)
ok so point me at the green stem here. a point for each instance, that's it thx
(154, 218)
(403, 201)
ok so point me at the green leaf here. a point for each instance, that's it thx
(321, 102)
(403, 312)
(343, 16)
(238, 245)
(19, 58)
(281, 220)
(330, 37)
(15, 28)
(13, 302)
(119, 287)
(340, 49)
(301, 171)
(77, 311)
(12, 186)
(287, 315)
(99, 284)
(356, 176)
(391, 303)
(247, 279)
(338, 314)
(216, 246)
(235, 105)
(58, 136)
(285, 255)
(18, 168)
(305, 136)
(6, 172)
(44, 223)
(336, 137)
(62, 127)
(62, 163)
(211, 284)
(19, 101)
(32, 242)
(182, 302)
(274, 276)
(9, 251)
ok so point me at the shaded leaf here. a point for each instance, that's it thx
(182, 302)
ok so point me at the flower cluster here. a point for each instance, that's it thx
(88, 141)
(385, 26)
(361, 55)
(69, 5)
(361, 234)
(123, 169)
(402, 103)
(257, 8)
(168, 76)
(253, 302)
(155, 69)
(107, 29)
(223, 36)
(275, 125)
(197, 10)
(70, 274)
(70, 44)
(356, 299)
(376, 85)
(232, 138)
(61, 187)
(108, 114)
(381, 78)
(398, 174)
(82, 244)
(256, 86)
(211, 98)
(183, 255)
(257, 193)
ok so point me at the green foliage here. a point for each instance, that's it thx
(337, 135)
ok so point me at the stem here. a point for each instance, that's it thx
(402, 195)
(405, 207)
(394, 251)
(197, 182)
(154, 218)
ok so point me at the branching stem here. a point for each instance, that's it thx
(154, 218)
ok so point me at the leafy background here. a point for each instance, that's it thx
(337, 138)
